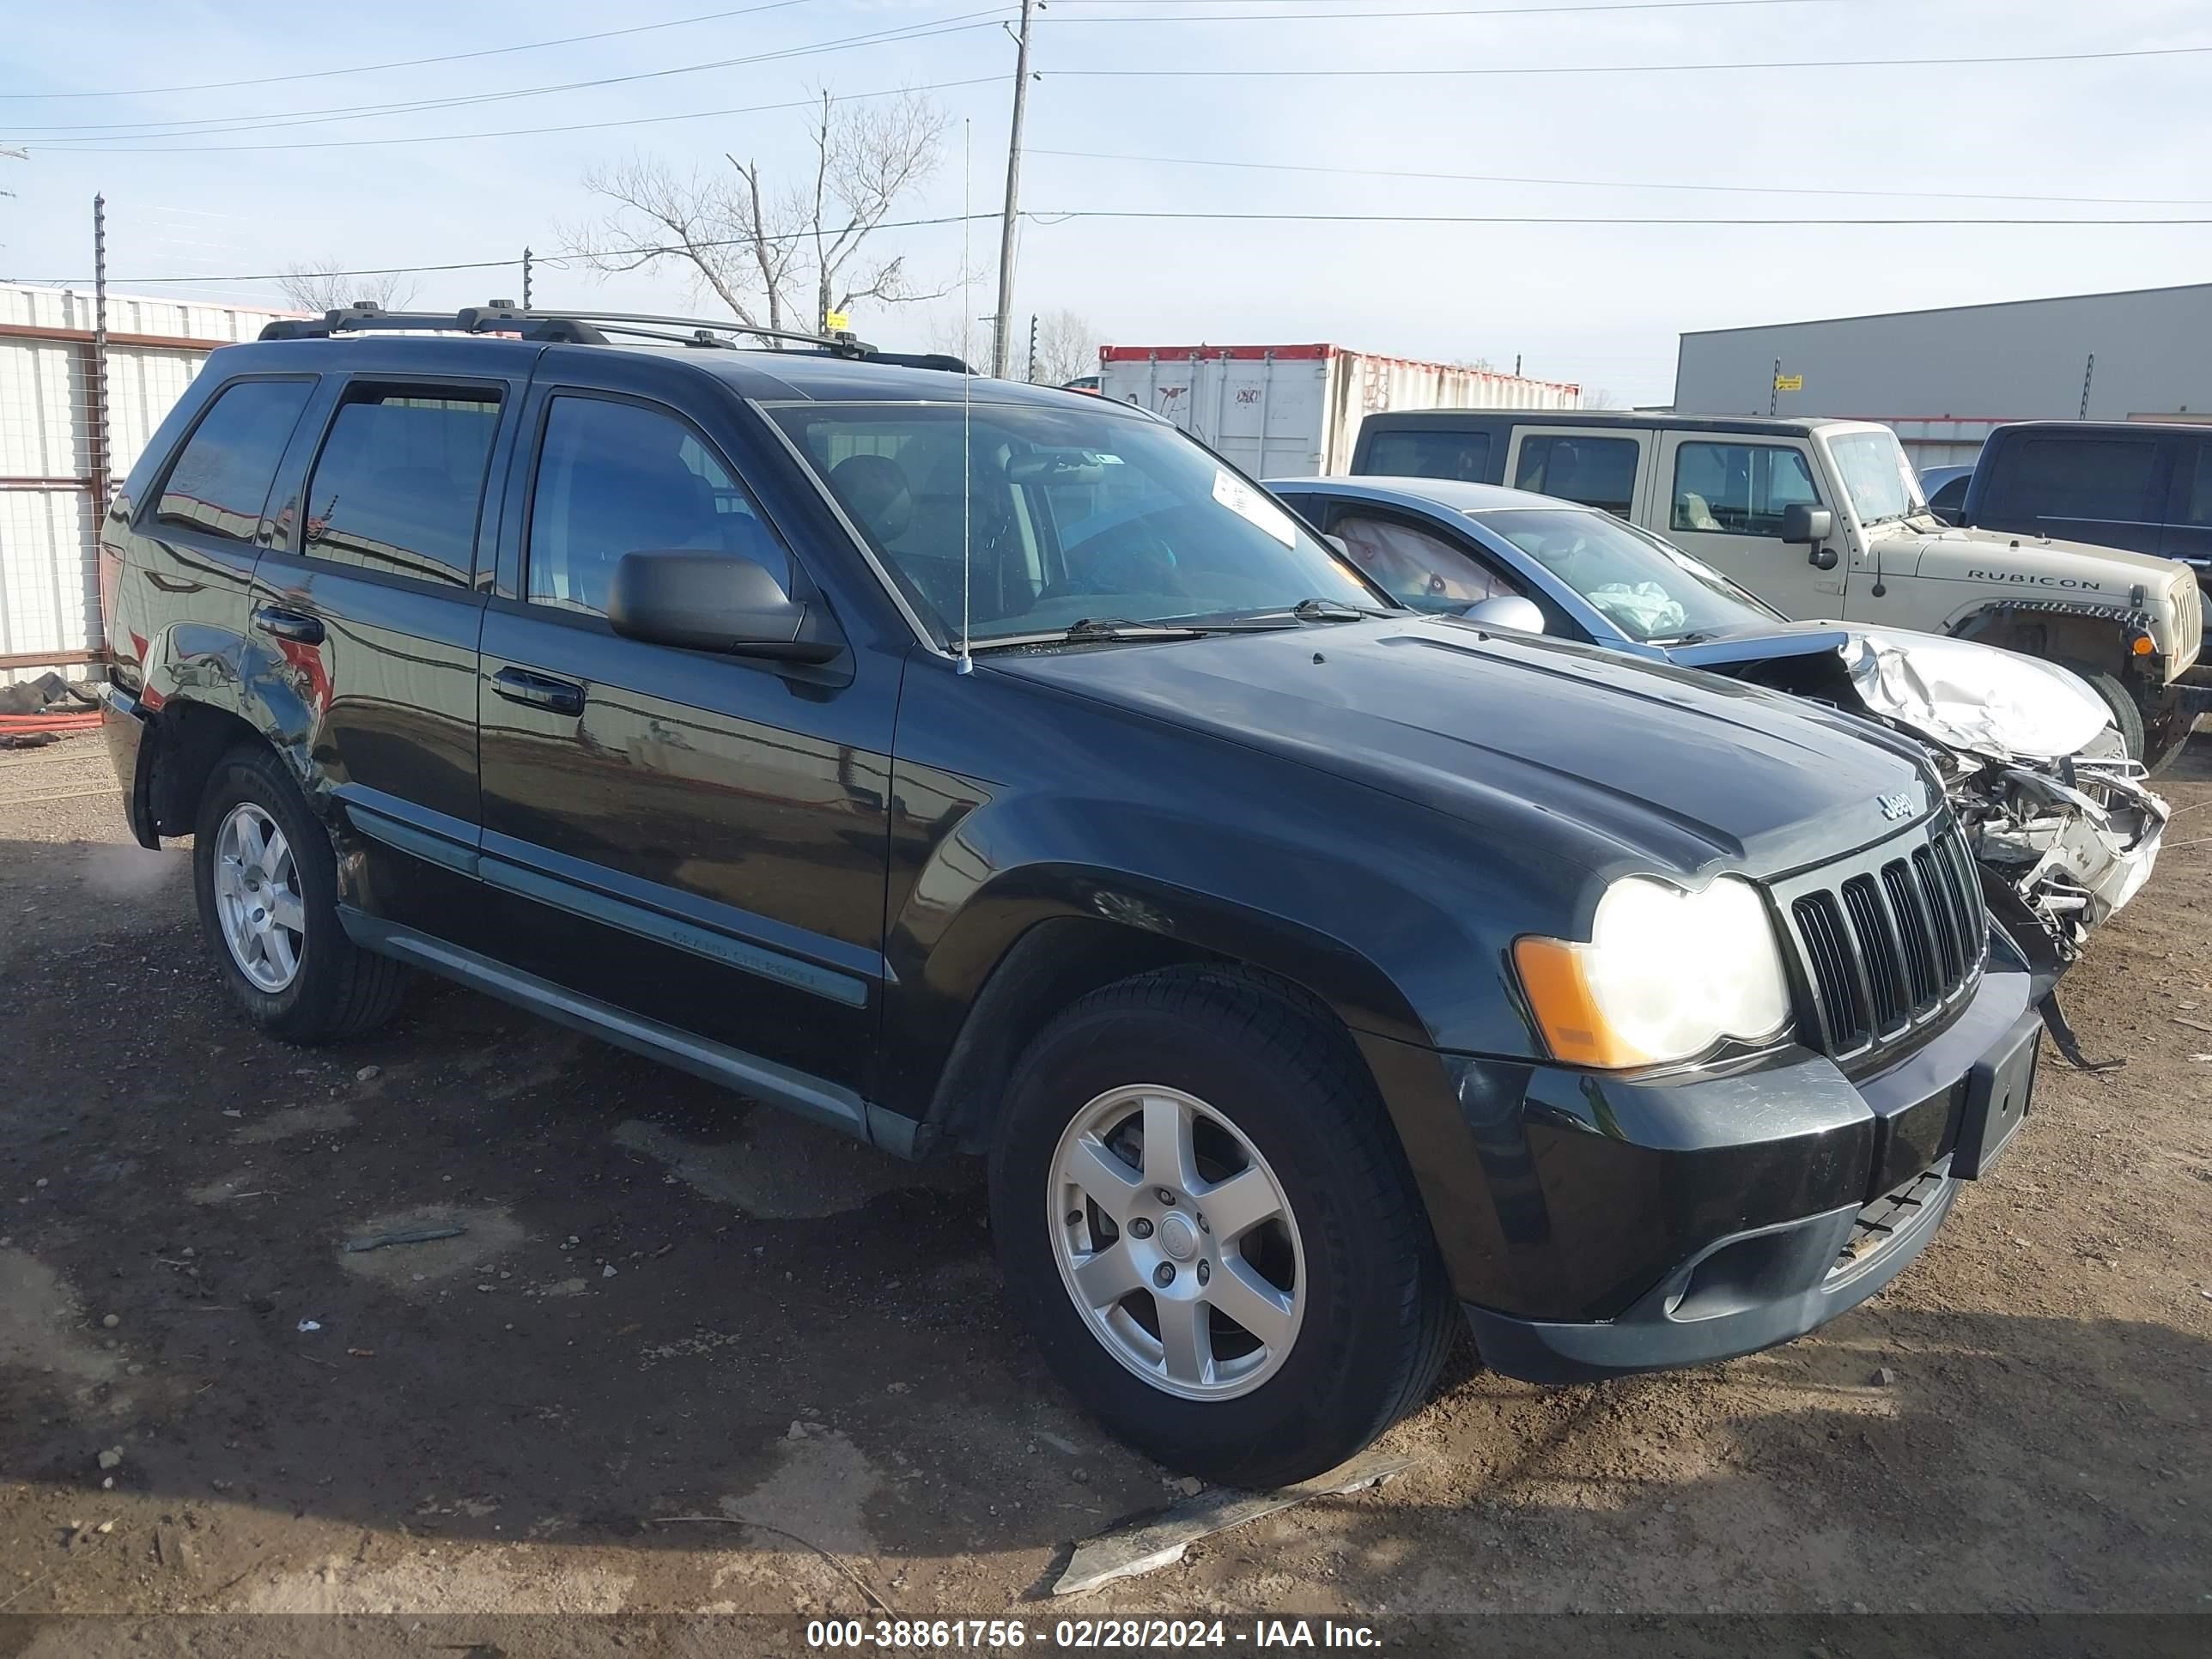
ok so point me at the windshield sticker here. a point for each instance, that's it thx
(1249, 505)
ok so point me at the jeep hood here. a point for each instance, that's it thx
(1610, 761)
(2052, 569)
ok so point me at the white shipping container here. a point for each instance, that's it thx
(49, 582)
(1289, 411)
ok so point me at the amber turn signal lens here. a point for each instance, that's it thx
(2142, 646)
(1567, 1014)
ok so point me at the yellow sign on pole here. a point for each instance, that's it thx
(1789, 383)
(835, 322)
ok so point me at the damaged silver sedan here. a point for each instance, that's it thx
(2063, 823)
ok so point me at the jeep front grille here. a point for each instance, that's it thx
(1889, 946)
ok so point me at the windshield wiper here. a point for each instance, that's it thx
(1085, 630)
(1332, 611)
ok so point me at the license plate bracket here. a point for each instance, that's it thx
(1998, 1091)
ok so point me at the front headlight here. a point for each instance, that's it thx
(1665, 976)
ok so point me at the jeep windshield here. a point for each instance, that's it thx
(1067, 516)
(1877, 476)
(1650, 591)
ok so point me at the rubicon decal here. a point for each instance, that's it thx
(2030, 581)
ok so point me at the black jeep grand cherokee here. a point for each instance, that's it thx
(1304, 965)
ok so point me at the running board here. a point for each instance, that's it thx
(794, 1091)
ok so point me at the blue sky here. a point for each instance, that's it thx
(1599, 304)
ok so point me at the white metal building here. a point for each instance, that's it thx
(54, 478)
(1943, 378)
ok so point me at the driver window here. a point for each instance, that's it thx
(1738, 489)
(1421, 569)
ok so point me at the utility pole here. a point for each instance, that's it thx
(1002, 321)
(99, 388)
(525, 279)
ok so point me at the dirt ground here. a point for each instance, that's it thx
(671, 1314)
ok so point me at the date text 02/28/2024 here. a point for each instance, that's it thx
(1085, 1635)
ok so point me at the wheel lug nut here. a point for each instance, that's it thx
(1202, 1227)
(1140, 1228)
(1164, 1275)
(1205, 1273)
(1165, 1196)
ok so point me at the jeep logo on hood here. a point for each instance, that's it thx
(1899, 806)
(1973, 575)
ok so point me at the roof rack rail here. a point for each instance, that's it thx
(575, 326)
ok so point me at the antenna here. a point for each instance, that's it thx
(967, 663)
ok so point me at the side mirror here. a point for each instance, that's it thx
(722, 601)
(1800, 523)
(1508, 611)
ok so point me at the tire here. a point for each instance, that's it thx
(333, 989)
(2125, 714)
(1374, 1317)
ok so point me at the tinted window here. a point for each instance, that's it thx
(221, 480)
(2056, 478)
(1431, 454)
(397, 486)
(2197, 501)
(1595, 471)
(1738, 489)
(1950, 500)
(1419, 567)
(614, 478)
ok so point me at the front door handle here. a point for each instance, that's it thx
(539, 691)
(288, 625)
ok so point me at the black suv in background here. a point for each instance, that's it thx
(975, 767)
(2143, 486)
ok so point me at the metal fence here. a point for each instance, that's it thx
(68, 435)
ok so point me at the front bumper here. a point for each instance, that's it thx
(1699, 1219)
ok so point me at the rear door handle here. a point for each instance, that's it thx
(288, 625)
(539, 691)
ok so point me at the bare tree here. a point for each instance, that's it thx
(319, 287)
(1067, 346)
(1599, 397)
(778, 257)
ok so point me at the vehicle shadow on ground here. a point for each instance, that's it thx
(664, 1303)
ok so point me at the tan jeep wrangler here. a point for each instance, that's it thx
(1824, 520)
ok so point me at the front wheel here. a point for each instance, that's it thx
(1203, 1215)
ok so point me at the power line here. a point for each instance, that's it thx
(508, 133)
(956, 23)
(1624, 183)
(557, 256)
(1446, 11)
(1947, 64)
(410, 63)
(1050, 219)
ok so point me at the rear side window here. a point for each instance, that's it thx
(2196, 497)
(220, 479)
(1430, 453)
(2056, 478)
(614, 478)
(400, 480)
(1598, 472)
(1738, 489)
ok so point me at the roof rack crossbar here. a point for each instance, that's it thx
(574, 326)
(582, 327)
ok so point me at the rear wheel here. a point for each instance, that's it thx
(267, 885)
(1202, 1214)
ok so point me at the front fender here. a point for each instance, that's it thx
(1397, 917)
